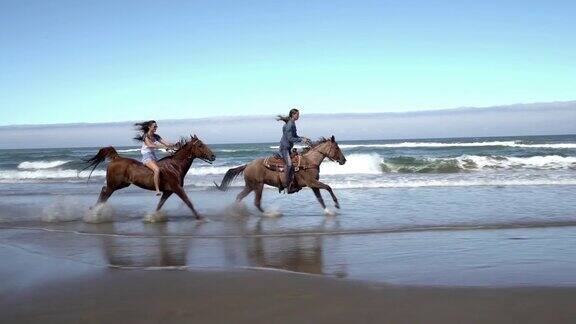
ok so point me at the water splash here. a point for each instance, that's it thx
(155, 217)
(63, 209)
(101, 213)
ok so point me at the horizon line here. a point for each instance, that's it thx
(357, 140)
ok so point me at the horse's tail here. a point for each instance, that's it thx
(106, 152)
(229, 177)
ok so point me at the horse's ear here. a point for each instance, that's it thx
(195, 137)
(332, 138)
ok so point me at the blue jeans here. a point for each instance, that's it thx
(288, 170)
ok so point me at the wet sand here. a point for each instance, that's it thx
(65, 288)
(364, 266)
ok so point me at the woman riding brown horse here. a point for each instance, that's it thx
(261, 171)
(151, 141)
(122, 172)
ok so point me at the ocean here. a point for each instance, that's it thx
(453, 211)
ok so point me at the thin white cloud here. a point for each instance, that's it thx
(521, 119)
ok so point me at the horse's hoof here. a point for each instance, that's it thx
(337, 206)
(329, 212)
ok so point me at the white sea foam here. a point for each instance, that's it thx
(554, 146)
(43, 174)
(41, 164)
(372, 163)
(137, 150)
(411, 183)
(533, 162)
(298, 146)
(463, 144)
(355, 164)
(209, 170)
(128, 150)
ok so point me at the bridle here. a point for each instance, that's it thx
(194, 144)
(327, 155)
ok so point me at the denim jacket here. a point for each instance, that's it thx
(289, 136)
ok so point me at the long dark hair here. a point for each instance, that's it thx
(143, 128)
(285, 119)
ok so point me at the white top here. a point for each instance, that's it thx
(145, 149)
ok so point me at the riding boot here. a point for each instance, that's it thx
(286, 179)
(293, 185)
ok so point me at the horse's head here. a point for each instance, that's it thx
(195, 148)
(330, 149)
(335, 151)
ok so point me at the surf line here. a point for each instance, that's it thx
(299, 234)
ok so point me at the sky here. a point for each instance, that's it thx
(110, 61)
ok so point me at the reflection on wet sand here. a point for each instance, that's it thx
(158, 251)
(293, 253)
(300, 253)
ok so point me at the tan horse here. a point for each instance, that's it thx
(122, 172)
(256, 173)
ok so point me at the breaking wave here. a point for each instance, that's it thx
(374, 164)
(40, 164)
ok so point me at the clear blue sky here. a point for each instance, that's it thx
(104, 61)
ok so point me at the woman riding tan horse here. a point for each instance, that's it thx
(270, 171)
(122, 172)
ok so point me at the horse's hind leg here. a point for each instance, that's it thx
(245, 192)
(107, 191)
(258, 196)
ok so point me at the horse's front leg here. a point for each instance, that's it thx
(182, 194)
(319, 197)
(320, 185)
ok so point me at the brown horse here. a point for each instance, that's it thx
(256, 173)
(122, 172)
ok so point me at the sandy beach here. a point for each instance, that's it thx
(59, 278)
(72, 292)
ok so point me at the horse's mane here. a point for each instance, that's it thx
(179, 146)
(314, 144)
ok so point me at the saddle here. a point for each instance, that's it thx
(276, 162)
